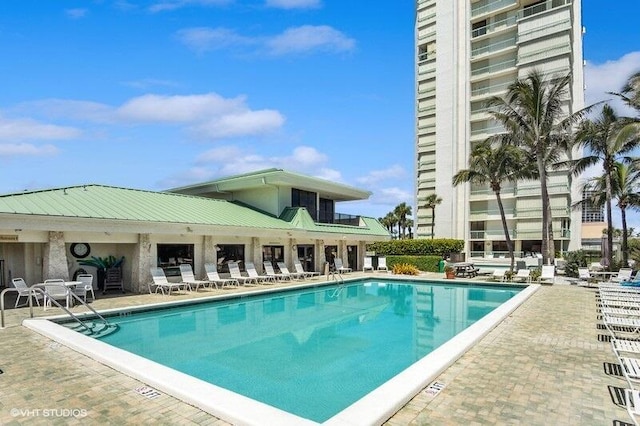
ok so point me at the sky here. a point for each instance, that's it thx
(160, 94)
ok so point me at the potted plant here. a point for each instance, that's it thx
(449, 272)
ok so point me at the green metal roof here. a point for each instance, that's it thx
(113, 203)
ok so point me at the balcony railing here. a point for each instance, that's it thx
(494, 26)
(481, 8)
(537, 8)
(500, 66)
(493, 47)
(341, 219)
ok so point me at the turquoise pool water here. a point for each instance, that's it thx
(311, 352)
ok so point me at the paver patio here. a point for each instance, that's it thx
(545, 364)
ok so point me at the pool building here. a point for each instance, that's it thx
(269, 215)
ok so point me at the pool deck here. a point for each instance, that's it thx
(545, 364)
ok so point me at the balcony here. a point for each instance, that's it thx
(538, 8)
(493, 47)
(503, 24)
(483, 7)
(494, 68)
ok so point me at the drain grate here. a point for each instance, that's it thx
(434, 388)
(148, 392)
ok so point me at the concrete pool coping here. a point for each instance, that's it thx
(374, 408)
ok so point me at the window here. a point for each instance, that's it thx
(171, 256)
(229, 253)
(327, 211)
(306, 199)
(273, 254)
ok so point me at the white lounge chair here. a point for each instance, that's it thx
(285, 271)
(498, 274)
(81, 290)
(24, 291)
(234, 270)
(213, 277)
(268, 269)
(253, 273)
(368, 265)
(161, 283)
(584, 276)
(340, 268)
(189, 278)
(300, 270)
(523, 275)
(382, 264)
(548, 274)
(624, 274)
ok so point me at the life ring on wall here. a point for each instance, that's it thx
(78, 272)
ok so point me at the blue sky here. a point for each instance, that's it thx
(158, 94)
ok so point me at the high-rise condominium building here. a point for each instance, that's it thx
(466, 52)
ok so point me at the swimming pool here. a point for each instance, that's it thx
(311, 352)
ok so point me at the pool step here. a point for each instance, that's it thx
(96, 329)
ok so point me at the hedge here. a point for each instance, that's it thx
(420, 247)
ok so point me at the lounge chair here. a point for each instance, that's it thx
(285, 271)
(268, 269)
(189, 278)
(368, 265)
(548, 274)
(382, 264)
(498, 275)
(213, 277)
(624, 274)
(523, 275)
(300, 269)
(161, 283)
(234, 270)
(24, 291)
(340, 268)
(253, 273)
(81, 290)
(584, 276)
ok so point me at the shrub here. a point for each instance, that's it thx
(574, 260)
(420, 247)
(405, 269)
(422, 263)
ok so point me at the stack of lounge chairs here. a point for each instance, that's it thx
(620, 308)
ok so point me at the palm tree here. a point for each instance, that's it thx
(401, 211)
(630, 92)
(431, 202)
(533, 117)
(625, 184)
(494, 165)
(608, 139)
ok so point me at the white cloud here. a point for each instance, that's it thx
(146, 83)
(241, 123)
(28, 129)
(76, 13)
(294, 4)
(232, 160)
(394, 172)
(170, 5)
(203, 39)
(610, 77)
(178, 109)
(12, 149)
(308, 38)
(295, 40)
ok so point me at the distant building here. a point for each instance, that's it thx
(466, 52)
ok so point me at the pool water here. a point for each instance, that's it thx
(310, 352)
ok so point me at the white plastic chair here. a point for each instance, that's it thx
(55, 289)
(214, 278)
(81, 290)
(23, 291)
(189, 278)
(382, 264)
(368, 266)
(340, 267)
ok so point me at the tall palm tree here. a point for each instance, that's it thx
(493, 166)
(625, 187)
(608, 139)
(431, 202)
(533, 115)
(401, 211)
(630, 92)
